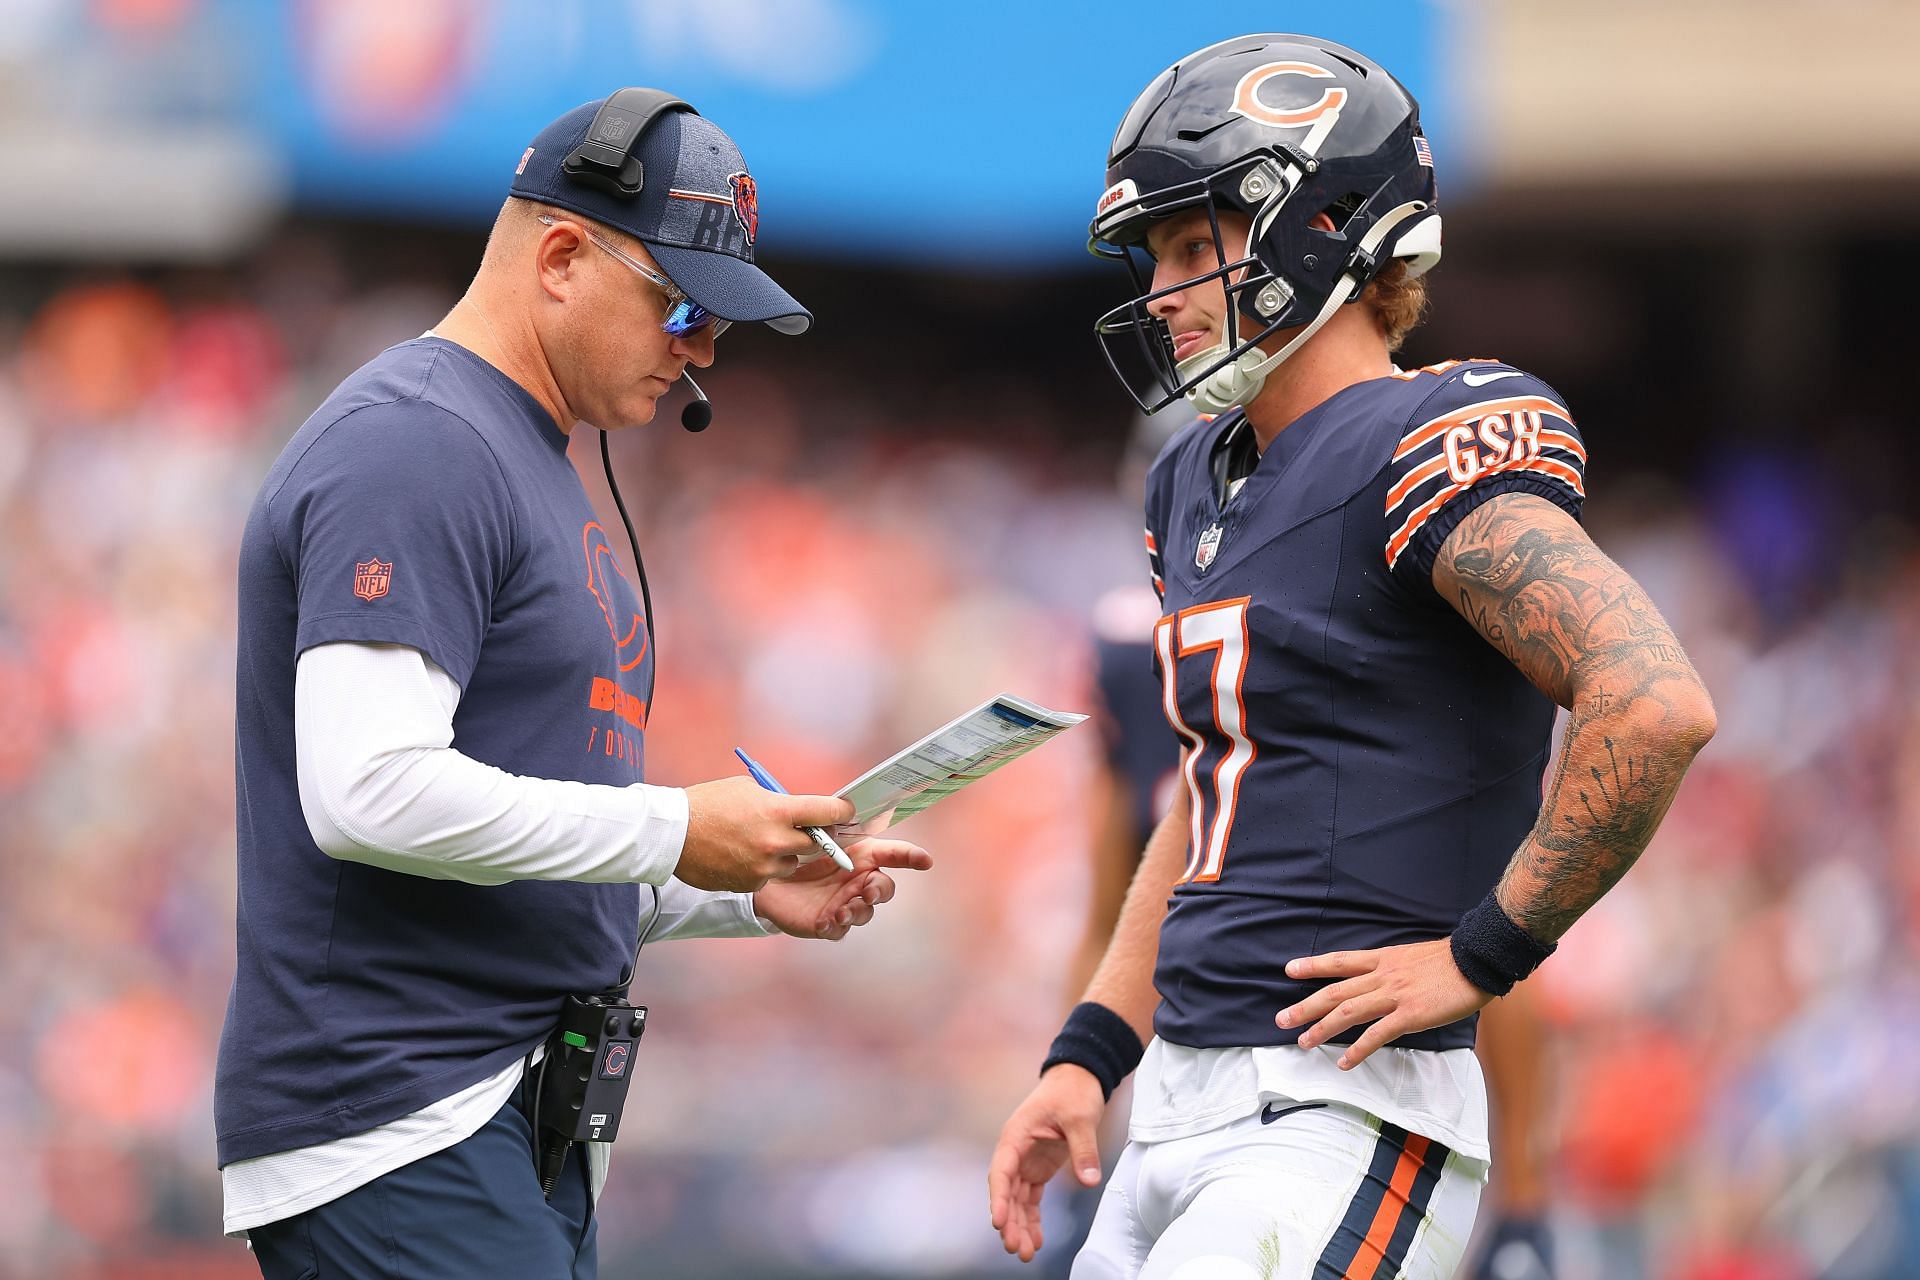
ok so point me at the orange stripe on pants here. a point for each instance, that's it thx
(1374, 1248)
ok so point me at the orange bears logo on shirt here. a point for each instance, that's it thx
(626, 628)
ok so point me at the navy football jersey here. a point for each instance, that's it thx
(1361, 763)
(1140, 750)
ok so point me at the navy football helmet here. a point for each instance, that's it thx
(1279, 128)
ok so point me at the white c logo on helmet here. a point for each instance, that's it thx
(1246, 96)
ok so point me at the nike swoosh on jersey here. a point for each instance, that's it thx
(1272, 1112)
(1474, 379)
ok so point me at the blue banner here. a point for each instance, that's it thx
(970, 133)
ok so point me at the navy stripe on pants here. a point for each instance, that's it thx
(471, 1212)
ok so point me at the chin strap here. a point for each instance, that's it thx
(1239, 381)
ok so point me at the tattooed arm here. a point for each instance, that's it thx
(1530, 580)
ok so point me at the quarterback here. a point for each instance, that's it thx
(1374, 587)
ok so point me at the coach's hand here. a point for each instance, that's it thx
(822, 901)
(1399, 989)
(740, 835)
(1056, 1123)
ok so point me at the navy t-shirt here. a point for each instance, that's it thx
(429, 502)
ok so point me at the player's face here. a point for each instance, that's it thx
(1183, 247)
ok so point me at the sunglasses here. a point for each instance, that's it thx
(684, 315)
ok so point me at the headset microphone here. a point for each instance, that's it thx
(698, 415)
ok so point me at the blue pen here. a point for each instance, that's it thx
(827, 844)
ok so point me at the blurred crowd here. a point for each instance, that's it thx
(844, 562)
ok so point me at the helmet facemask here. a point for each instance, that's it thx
(1138, 344)
(1260, 299)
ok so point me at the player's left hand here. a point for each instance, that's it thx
(1399, 989)
(822, 901)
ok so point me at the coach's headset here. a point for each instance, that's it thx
(607, 160)
(587, 1098)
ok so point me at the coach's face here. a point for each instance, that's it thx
(609, 356)
(1183, 247)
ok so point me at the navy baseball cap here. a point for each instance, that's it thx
(698, 211)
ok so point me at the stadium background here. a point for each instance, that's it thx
(1697, 219)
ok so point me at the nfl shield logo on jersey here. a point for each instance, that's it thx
(1209, 547)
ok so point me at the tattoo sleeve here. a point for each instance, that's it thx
(1528, 578)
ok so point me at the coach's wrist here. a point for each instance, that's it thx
(660, 831)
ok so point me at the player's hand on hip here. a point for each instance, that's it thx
(740, 835)
(1399, 989)
(1054, 1126)
(822, 901)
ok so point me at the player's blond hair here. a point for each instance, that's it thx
(1399, 302)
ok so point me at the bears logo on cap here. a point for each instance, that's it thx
(746, 204)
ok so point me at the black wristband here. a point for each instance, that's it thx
(1494, 952)
(1100, 1040)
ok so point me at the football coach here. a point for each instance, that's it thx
(442, 698)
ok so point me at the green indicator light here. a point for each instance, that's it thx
(574, 1038)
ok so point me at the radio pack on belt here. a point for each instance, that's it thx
(583, 1079)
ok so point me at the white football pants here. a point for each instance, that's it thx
(1321, 1191)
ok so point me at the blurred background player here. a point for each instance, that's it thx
(1132, 782)
(1515, 1239)
(1360, 762)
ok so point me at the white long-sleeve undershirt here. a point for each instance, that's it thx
(380, 783)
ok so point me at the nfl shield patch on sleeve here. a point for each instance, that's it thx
(371, 578)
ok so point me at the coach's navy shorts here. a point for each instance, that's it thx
(471, 1212)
